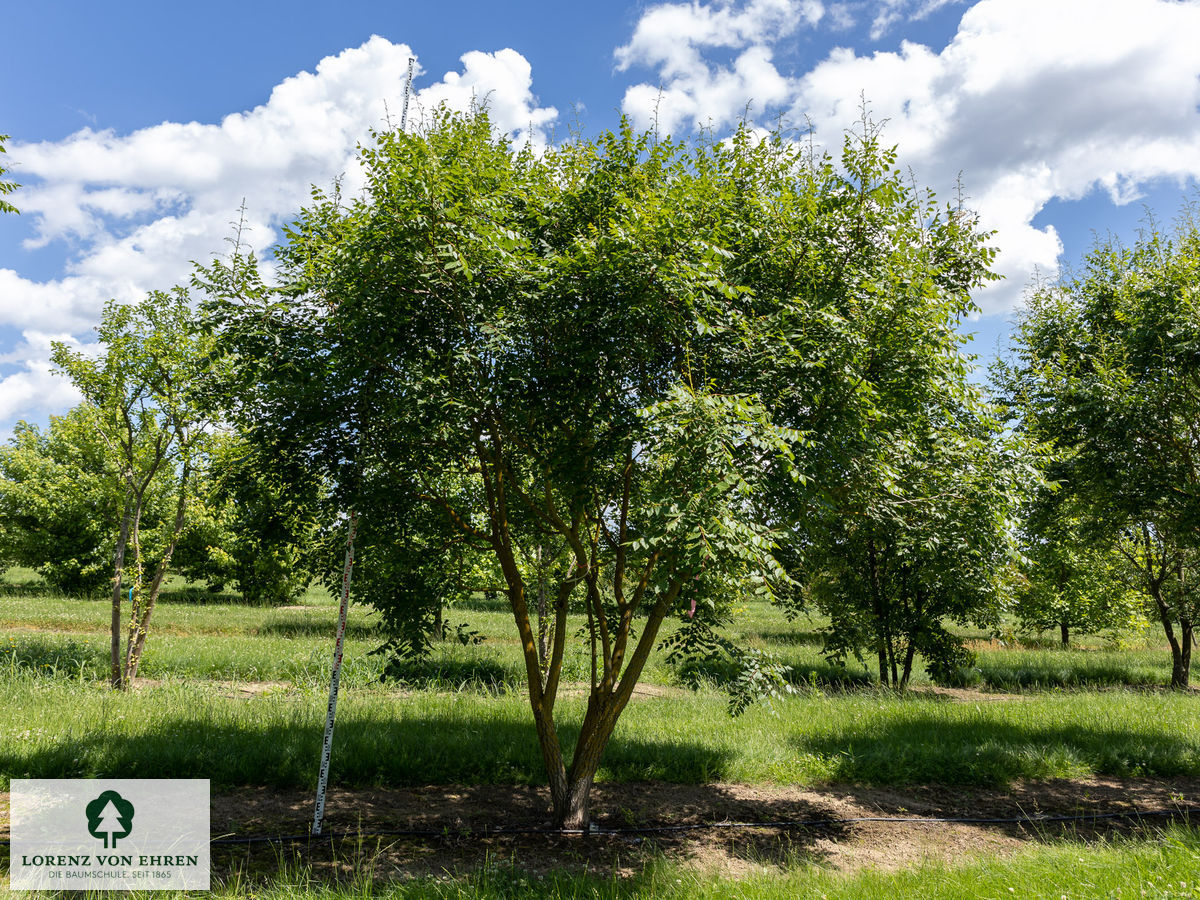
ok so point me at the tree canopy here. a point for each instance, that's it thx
(577, 364)
(1106, 370)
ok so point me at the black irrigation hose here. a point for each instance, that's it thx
(1183, 811)
(700, 826)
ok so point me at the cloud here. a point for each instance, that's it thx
(136, 209)
(672, 38)
(1030, 101)
(36, 385)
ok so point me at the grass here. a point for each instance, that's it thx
(1164, 866)
(461, 717)
(61, 729)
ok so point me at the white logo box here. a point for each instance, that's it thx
(109, 834)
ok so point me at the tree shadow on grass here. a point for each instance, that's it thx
(311, 626)
(474, 672)
(1067, 670)
(480, 602)
(788, 637)
(721, 673)
(919, 749)
(268, 771)
(33, 653)
(199, 595)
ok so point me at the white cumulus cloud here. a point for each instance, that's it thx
(1030, 101)
(136, 209)
(692, 91)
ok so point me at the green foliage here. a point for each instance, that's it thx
(903, 517)
(6, 187)
(1105, 369)
(250, 529)
(59, 497)
(514, 353)
(148, 402)
(1071, 579)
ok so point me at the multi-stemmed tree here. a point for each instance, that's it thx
(573, 365)
(144, 397)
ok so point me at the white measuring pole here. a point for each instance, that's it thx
(327, 746)
(407, 90)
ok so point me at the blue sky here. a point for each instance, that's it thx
(137, 128)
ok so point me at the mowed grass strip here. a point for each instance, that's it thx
(199, 635)
(1164, 865)
(56, 729)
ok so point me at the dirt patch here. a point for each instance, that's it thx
(237, 690)
(466, 825)
(461, 829)
(962, 695)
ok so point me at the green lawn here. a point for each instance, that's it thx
(1034, 712)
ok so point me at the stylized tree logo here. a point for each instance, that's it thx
(110, 816)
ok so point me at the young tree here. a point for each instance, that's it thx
(904, 466)
(931, 540)
(144, 402)
(1072, 578)
(1105, 367)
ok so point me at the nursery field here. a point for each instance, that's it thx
(237, 694)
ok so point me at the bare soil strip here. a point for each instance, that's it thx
(464, 816)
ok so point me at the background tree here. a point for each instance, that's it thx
(250, 529)
(928, 541)
(1072, 577)
(143, 401)
(58, 495)
(877, 379)
(1105, 367)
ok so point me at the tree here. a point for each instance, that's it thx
(1105, 367)
(1072, 578)
(902, 519)
(930, 541)
(249, 528)
(144, 402)
(576, 365)
(6, 187)
(57, 496)
(524, 350)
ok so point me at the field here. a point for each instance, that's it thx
(237, 694)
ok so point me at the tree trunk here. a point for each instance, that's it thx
(877, 608)
(115, 671)
(1185, 655)
(572, 809)
(1064, 633)
(134, 656)
(908, 661)
(571, 802)
(1179, 671)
